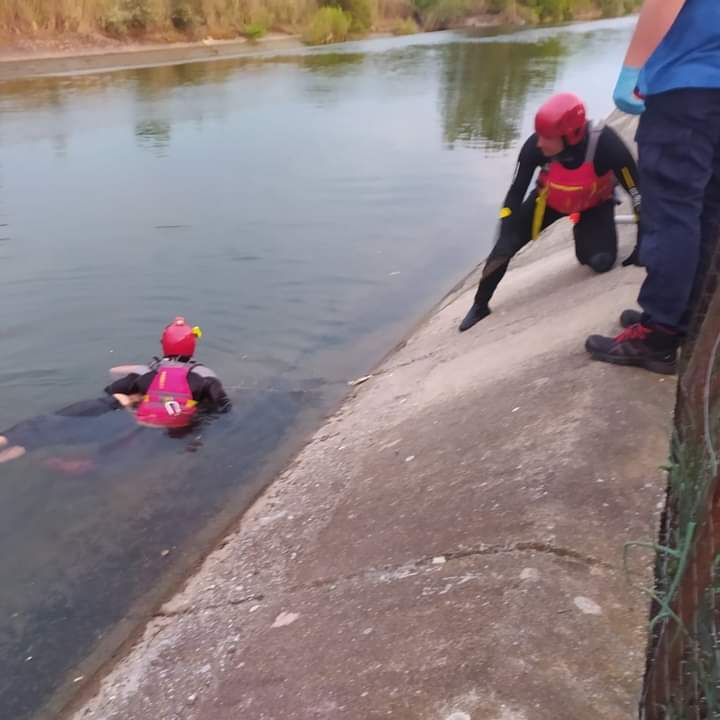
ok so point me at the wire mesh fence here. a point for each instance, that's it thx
(682, 680)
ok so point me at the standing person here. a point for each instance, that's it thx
(671, 75)
(580, 163)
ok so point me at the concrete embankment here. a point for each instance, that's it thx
(21, 65)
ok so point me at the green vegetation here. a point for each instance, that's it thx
(153, 19)
(254, 30)
(173, 19)
(408, 26)
(329, 25)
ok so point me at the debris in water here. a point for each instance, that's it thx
(79, 678)
(360, 380)
(409, 458)
(439, 560)
(165, 553)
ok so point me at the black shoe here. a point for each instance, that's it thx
(630, 317)
(633, 258)
(640, 346)
(475, 314)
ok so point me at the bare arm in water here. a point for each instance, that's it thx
(123, 370)
(129, 402)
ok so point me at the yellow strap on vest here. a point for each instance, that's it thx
(628, 178)
(539, 215)
(506, 212)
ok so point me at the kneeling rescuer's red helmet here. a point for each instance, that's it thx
(562, 116)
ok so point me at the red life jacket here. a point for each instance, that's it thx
(574, 191)
(168, 402)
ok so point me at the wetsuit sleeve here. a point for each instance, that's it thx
(90, 408)
(613, 155)
(214, 395)
(529, 160)
(127, 385)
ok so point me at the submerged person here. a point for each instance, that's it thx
(580, 164)
(169, 393)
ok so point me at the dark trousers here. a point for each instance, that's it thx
(595, 236)
(679, 151)
(73, 425)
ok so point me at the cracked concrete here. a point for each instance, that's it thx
(400, 571)
(449, 546)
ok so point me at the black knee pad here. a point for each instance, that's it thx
(602, 262)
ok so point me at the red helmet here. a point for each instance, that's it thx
(562, 116)
(179, 338)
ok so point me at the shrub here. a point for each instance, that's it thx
(183, 16)
(631, 6)
(610, 8)
(446, 14)
(406, 27)
(255, 30)
(128, 16)
(550, 10)
(328, 25)
(498, 6)
(362, 13)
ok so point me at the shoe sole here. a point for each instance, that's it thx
(661, 367)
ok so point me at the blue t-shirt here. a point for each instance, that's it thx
(689, 55)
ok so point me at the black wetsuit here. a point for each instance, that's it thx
(69, 426)
(595, 234)
(206, 389)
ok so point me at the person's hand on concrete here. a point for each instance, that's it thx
(625, 95)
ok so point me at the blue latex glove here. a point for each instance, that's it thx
(624, 95)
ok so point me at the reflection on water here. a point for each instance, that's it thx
(329, 63)
(154, 134)
(487, 87)
(303, 209)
